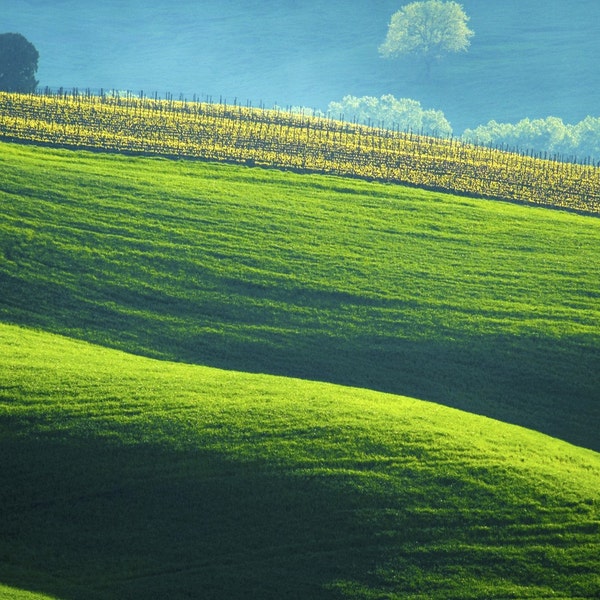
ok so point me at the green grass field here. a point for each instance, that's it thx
(481, 305)
(221, 462)
(126, 477)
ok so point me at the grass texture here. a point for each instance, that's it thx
(485, 306)
(129, 472)
(127, 477)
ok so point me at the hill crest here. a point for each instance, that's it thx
(486, 306)
(126, 477)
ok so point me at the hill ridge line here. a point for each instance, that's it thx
(272, 138)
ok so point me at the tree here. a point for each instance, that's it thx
(551, 135)
(428, 29)
(18, 63)
(388, 111)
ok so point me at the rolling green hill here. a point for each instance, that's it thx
(481, 305)
(219, 470)
(126, 477)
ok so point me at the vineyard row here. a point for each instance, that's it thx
(275, 138)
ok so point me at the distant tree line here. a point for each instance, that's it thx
(571, 142)
(549, 137)
(389, 112)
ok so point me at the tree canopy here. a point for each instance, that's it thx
(18, 63)
(581, 140)
(388, 111)
(428, 29)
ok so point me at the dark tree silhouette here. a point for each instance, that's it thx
(18, 63)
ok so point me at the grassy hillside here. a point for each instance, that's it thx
(484, 306)
(12, 593)
(125, 477)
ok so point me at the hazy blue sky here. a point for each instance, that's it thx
(528, 57)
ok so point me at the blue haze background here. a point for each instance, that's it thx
(528, 58)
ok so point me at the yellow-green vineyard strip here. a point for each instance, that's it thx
(280, 139)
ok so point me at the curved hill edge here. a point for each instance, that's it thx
(488, 306)
(275, 485)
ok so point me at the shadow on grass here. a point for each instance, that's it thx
(548, 384)
(86, 518)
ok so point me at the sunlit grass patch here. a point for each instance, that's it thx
(127, 477)
(485, 306)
